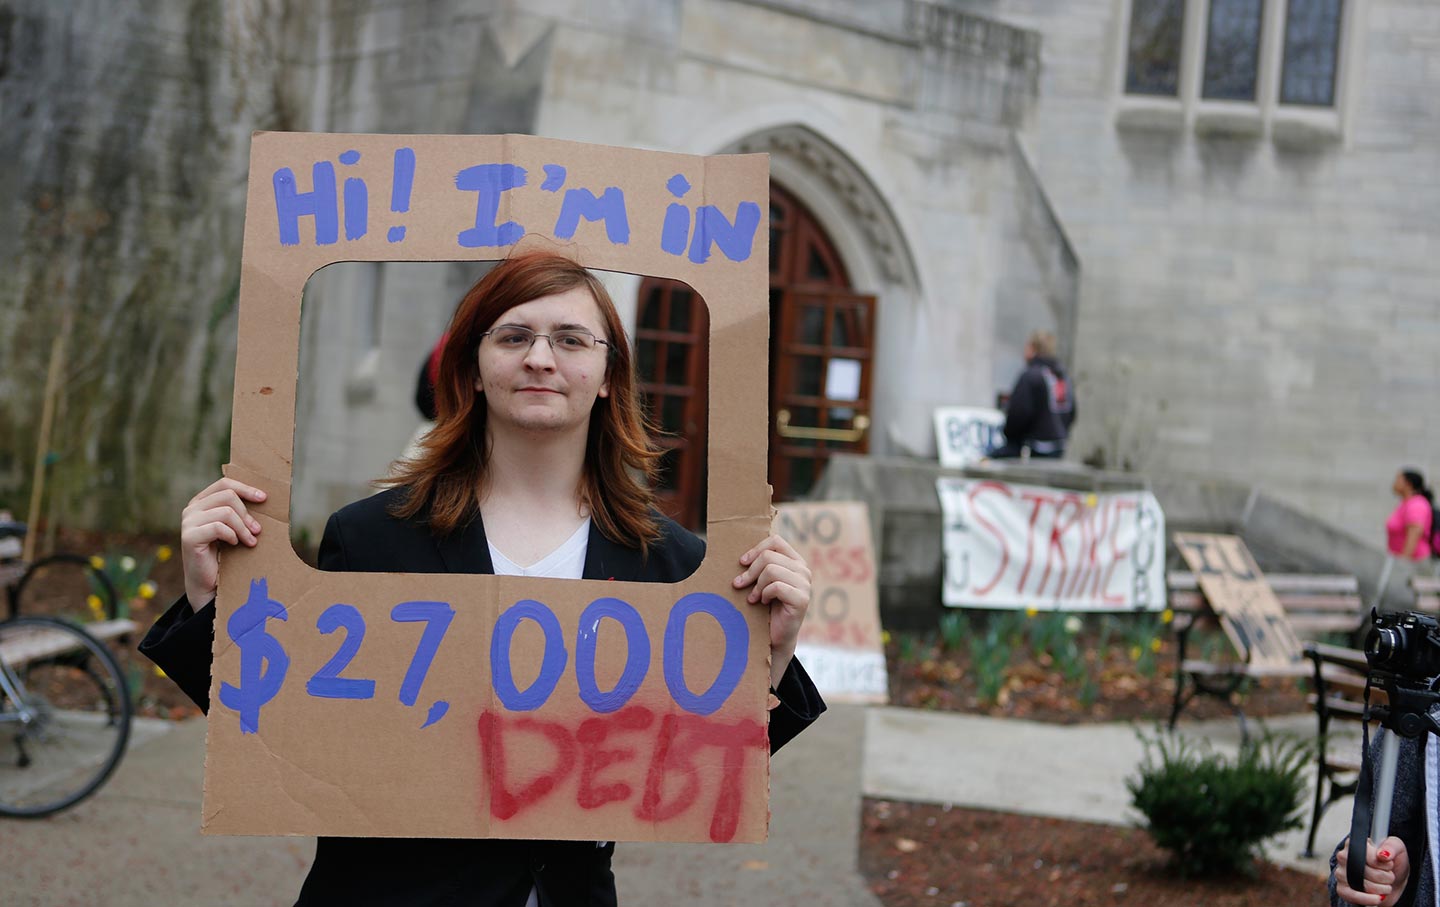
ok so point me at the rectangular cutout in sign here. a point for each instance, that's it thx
(454, 705)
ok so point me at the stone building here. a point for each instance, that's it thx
(1226, 209)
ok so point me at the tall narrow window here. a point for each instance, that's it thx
(1153, 62)
(1312, 47)
(1232, 50)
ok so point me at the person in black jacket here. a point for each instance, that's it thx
(1042, 405)
(537, 465)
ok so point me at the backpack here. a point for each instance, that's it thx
(1435, 530)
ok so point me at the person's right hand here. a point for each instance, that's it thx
(215, 515)
(1387, 870)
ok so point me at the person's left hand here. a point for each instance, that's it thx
(781, 581)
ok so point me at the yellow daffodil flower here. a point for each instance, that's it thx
(147, 589)
(164, 553)
(1134, 653)
(97, 610)
(1167, 616)
(1155, 644)
(97, 562)
(1031, 611)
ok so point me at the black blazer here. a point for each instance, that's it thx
(490, 872)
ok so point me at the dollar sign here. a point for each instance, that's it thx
(258, 684)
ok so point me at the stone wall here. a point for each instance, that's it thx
(1259, 308)
(121, 168)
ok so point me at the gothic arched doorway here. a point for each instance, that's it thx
(821, 357)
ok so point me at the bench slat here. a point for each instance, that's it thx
(1336, 622)
(1340, 655)
(1224, 668)
(40, 642)
(1341, 708)
(1349, 604)
(1339, 583)
(1191, 601)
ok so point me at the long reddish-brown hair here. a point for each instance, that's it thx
(448, 476)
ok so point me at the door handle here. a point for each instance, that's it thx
(811, 433)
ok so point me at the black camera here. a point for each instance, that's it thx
(1405, 644)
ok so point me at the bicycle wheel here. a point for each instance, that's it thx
(53, 585)
(64, 715)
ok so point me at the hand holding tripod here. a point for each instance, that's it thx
(1403, 651)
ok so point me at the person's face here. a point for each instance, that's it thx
(1029, 351)
(1400, 486)
(540, 389)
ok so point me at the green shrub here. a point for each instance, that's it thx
(990, 658)
(1213, 813)
(954, 629)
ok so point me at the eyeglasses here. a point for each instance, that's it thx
(517, 339)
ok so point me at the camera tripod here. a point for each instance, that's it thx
(1408, 712)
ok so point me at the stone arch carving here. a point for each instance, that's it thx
(860, 219)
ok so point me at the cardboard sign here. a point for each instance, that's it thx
(965, 434)
(482, 706)
(840, 642)
(1023, 546)
(1252, 616)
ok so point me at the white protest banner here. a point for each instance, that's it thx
(964, 434)
(840, 641)
(1021, 546)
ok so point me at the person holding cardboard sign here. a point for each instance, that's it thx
(536, 467)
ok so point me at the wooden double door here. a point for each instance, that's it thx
(822, 340)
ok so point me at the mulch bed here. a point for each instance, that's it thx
(915, 854)
(919, 854)
(64, 592)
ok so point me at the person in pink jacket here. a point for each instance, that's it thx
(1408, 529)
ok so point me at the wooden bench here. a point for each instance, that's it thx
(1339, 694)
(1427, 593)
(44, 644)
(1316, 605)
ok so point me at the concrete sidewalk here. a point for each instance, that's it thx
(137, 843)
(1066, 771)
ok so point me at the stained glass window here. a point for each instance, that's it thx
(1312, 48)
(1232, 50)
(1153, 63)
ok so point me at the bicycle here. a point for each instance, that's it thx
(25, 582)
(65, 708)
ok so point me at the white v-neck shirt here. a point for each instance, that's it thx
(565, 562)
